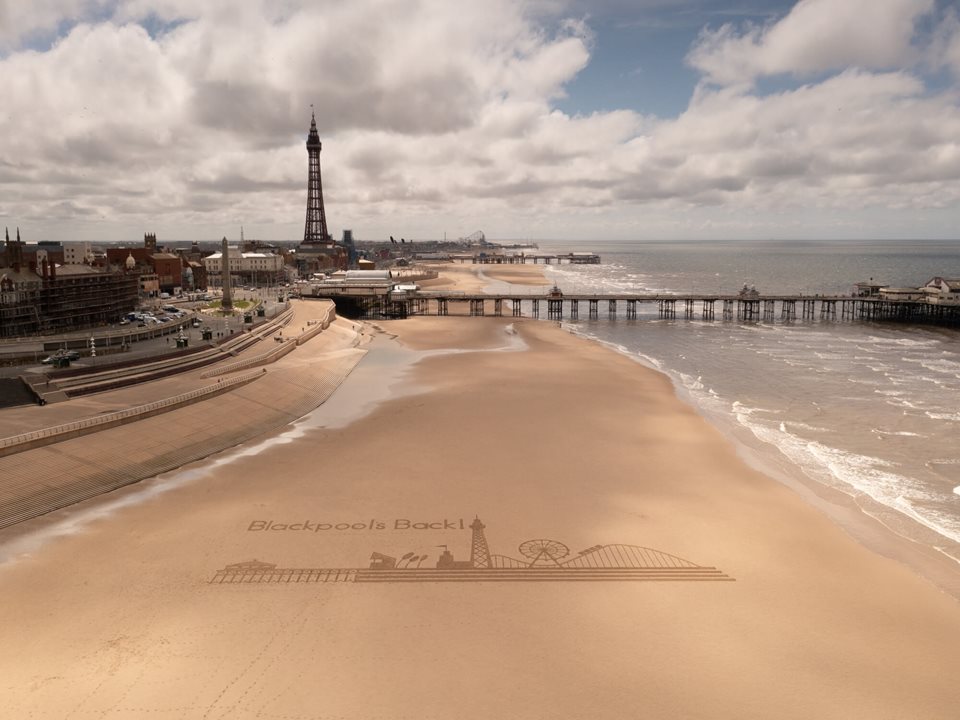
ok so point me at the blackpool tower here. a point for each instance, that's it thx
(315, 230)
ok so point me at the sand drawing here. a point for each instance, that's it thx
(543, 561)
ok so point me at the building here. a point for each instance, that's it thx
(77, 253)
(169, 270)
(868, 288)
(901, 293)
(942, 291)
(51, 298)
(246, 268)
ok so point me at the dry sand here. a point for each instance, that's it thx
(563, 440)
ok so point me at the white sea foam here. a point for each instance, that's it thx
(739, 408)
(902, 342)
(900, 433)
(941, 365)
(853, 473)
(939, 522)
(954, 417)
(900, 402)
(805, 426)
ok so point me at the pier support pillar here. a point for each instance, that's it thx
(612, 309)
(517, 312)
(706, 309)
(631, 309)
(769, 309)
(593, 309)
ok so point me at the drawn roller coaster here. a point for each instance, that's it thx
(545, 561)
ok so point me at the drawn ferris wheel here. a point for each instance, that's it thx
(543, 551)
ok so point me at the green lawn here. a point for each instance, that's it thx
(237, 304)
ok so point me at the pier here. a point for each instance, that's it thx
(572, 258)
(370, 303)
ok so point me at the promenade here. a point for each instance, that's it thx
(64, 452)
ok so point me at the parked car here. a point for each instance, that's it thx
(68, 354)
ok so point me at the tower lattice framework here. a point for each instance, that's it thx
(479, 552)
(315, 229)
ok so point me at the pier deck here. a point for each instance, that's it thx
(574, 306)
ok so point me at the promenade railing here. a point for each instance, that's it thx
(58, 433)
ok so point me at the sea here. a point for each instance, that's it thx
(870, 409)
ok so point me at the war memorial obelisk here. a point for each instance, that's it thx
(226, 303)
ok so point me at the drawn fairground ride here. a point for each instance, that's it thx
(544, 561)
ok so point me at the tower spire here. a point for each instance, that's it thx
(479, 552)
(315, 228)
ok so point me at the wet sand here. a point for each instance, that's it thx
(543, 436)
(474, 278)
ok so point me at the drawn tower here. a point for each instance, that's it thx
(479, 552)
(315, 229)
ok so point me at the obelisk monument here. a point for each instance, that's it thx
(227, 302)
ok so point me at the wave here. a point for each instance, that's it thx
(942, 365)
(855, 473)
(954, 417)
(900, 433)
(902, 342)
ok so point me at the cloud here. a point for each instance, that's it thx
(814, 37)
(190, 118)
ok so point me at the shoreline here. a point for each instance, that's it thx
(849, 511)
(879, 527)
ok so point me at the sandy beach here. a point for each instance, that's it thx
(541, 435)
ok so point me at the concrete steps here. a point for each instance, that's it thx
(39, 481)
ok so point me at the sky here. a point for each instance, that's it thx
(546, 119)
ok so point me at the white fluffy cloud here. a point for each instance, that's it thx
(816, 36)
(189, 119)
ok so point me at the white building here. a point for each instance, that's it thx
(901, 293)
(942, 291)
(253, 267)
(77, 253)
